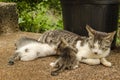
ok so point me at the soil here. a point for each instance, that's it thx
(40, 69)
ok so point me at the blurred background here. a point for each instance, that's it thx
(42, 15)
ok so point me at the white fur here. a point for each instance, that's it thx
(53, 64)
(88, 56)
(36, 50)
(91, 61)
(105, 62)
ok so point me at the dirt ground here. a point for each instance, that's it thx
(40, 70)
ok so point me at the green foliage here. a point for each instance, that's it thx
(40, 18)
(118, 32)
(39, 15)
(118, 37)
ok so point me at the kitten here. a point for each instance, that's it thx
(53, 36)
(29, 49)
(91, 50)
(67, 59)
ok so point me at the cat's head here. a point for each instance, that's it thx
(99, 42)
(64, 46)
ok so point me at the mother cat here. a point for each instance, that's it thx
(91, 50)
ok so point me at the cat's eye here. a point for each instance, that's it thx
(91, 46)
(107, 46)
(107, 42)
(104, 48)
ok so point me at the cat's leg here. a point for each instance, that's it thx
(105, 62)
(91, 61)
(27, 58)
(57, 71)
(14, 57)
(77, 65)
(53, 64)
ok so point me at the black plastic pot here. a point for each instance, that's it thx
(101, 15)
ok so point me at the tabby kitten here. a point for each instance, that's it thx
(91, 50)
(53, 36)
(67, 59)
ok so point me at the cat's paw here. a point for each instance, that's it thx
(52, 64)
(108, 64)
(76, 66)
(54, 73)
(11, 63)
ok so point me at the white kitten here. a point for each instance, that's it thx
(29, 49)
(34, 50)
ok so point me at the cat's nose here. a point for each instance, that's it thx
(95, 53)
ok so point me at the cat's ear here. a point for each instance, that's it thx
(111, 35)
(90, 30)
(64, 41)
(68, 45)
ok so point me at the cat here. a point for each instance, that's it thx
(53, 36)
(91, 50)
(29, 49)
(67, 58)
(96, 49)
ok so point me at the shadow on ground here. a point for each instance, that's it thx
(40, 70)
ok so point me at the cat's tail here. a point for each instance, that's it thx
(13, 58)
